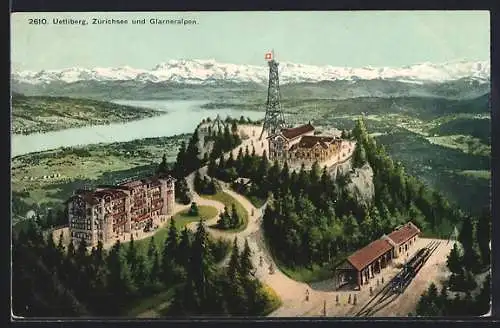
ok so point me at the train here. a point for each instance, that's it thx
(410, 270)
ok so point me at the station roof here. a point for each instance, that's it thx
(366, 255)
(403, 234)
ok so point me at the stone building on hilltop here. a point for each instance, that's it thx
(299, 145)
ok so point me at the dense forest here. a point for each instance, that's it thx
(310, 219)
(463, 294)
(54, 280)
(314, 219)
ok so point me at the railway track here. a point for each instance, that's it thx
(389, 293)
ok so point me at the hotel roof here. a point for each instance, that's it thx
(297, 131)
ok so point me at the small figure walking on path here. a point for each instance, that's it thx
(382, 280)
(371, 291)
(252, 212)
(337, 299)
(349, 300)
(271, 269)
(307, 294)
(324, 308)
(261, 261)
(354, 300)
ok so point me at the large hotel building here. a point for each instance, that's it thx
(107, 212)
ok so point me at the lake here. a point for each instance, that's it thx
(181, 116)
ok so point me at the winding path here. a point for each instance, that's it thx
(291, 292)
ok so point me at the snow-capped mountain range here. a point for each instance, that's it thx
(209, 71)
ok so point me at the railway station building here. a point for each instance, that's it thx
(367, 262)
(403, 238)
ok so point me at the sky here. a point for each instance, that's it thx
(348, 38)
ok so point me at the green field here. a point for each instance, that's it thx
(183, 218)
(228, 201)
(42, 114)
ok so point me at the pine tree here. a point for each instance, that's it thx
(52, 254)
(483, 299)
(182, 191)
(151, 248)
(264, 155)
(60, 244)
(98, 286)
(314, 174)
(359, 156)
(179, 165)
(302, 179)
(169, 252)
(234, 263)
(222, 164)
(198, 182)
(483, 237)
(212, 167)
(184, 249)
(155, 272)
(140, 274)
(120, 283)
(132, 254)
(246, 266)
(239, 161)
(193, 210)
(162, 168)
(230, 161)
(467, 240)
(235, 219)
(192, 153)
(454, 260)
(284, 179)
(202, 264)
(234, 128)
(223, 221)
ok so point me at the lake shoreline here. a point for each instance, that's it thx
(53, 128)
(177, 117)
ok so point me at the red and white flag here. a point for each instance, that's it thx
(269, 56)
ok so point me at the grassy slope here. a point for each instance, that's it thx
(274, 300)
(183, 218)
(35, 114)
(228, 201)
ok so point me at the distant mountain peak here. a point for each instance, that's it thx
(200, 71)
